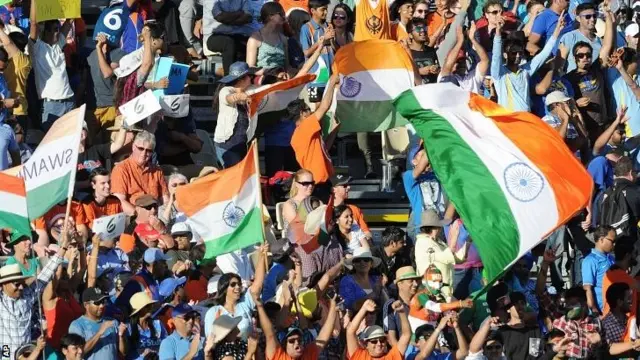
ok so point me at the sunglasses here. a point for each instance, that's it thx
(583, 55)
(189, 317)
(99, 302)
(150, 207)
(514, 53)
(421, 11)
(361, 260)
(420, 29)
(340, 17)
(493, 347)
(306, 183)
(145, 150)
(178, 184)
(588, 16)
(19, 284)
(234, 284)
(494, 12)
(294, 341)
(378, 341)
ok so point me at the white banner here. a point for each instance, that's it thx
(109, 227)
(175, 106)
(140, 108)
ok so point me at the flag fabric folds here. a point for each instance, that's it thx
(510, 191)
(13, 205)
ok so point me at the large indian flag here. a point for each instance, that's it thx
(50, 172)
(510, 176)
(13, 205)
(224, 207)
(372, 74)
(274, 97)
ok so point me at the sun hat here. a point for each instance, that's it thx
(555, 97)
(406, 273)
(11, 273)
(431, 218)
(145, 200)
(17, 237)
(372, 332)
(223, 326)
(181, 228)
(139, 300)
(362, 253)
(237, 70)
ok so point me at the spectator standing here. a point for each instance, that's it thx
(401, 13)
(546, 25)
(585, 328)
(227, 26)
(317, 33)
(144, 333)
(50, 68)
(100, 202)
(615, 323)
(586, 16)
(148, 279)
(372, 20)
(487, 26)
(438, 21)
(596, 264)
(102, 60)
(16, 72)
(566, 120)
(423, 55)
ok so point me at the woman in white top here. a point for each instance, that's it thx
(348, 231)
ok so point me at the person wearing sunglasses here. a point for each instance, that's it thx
(586, 16)
(420, 9)
(401, 12)
(168, 212)
(373, 337)
(105, 337)
(486, 26)
(428, 340)
(342, 21)
(487, 343)
(138, 175)
(186, 341)
(148, 230)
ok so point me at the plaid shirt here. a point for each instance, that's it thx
(614, 328)
(15, 314)
(579, 347)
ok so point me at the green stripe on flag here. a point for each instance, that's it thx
(44, 197)
(15, 222)
(248, 232)
(367, 116)
(469, 184)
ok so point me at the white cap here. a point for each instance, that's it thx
(635, 4)
(632, 30)
(212, 285)
(555, 97)
(180, 228)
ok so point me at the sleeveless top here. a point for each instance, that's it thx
(285, 223)
(60, 317)
(372, 23)
(272, 56)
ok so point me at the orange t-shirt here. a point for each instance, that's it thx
(44, 222)
(363, 354)
(617, 276)
(290, 5)
(434, 21)
(399, 31)
(310, 352)
(90, 210)
(309, 148)
(372, 22)
(130, 179)
(358, 217)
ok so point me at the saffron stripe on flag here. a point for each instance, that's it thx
(12, 184)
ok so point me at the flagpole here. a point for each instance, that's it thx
(256, 162)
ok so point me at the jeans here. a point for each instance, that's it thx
(229, 157)
(466, 281)
(52, 110)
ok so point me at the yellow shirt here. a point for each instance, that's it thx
(16, 75)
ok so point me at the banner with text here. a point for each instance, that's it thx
(57, 9)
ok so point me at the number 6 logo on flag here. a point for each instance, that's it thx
(111, 23)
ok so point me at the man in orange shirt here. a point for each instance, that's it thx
(374, 338)
(307, 142)
(101, 202)
(49, 224)
(138, 175)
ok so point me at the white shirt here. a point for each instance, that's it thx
(50, 68)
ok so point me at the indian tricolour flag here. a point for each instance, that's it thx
(510, 176)
(274, 97)
(372, 74)
(224, 208)
(50, 172)
(13, 205)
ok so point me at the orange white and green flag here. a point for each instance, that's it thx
(510, 191)
(13, 205)
(372, 74)
(224, 207)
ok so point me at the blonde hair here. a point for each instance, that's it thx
(296, 177)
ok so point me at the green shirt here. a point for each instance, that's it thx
(33, 265)
(478, 313)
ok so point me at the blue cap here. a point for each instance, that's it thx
(169, 285)
(152, 255)
(237, 70)
(181, 309)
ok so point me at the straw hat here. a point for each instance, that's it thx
(362, 253)
(10, 273)
(406, 273)
(223, 326)
(139, 300)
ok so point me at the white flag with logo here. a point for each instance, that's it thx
(175, 106)
(109, 227)
(140, 108)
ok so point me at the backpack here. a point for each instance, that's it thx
(614, 210)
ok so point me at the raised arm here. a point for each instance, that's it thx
(452, 56)
(604, 138)
(66, 27)
(496, 57)
(8, 45)
(327, 328)
(147, 55)
(427, 349)
(543, 55)
(450, 38)
(267, 329)
(483, 65)
(327, 99)
(628, 79)
(478, 339)
(92, 265)
(352, 340)
(609, 34)
(261, 269)
(118, 143)
(308, 64)
(405, 336)
(33, 22)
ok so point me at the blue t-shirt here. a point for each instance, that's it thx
(244, 309)
(145, 340)
(17, 14)
(133, 27)
(270, 282)
(571, 38)
(106, 347)
(175, 347)
(307, 39)
(623, 96)
(545, 24)
(413, 351)
(594, 266)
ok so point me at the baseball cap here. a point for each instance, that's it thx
(340, 179)
(146, 200)
(181, 310)
(555, 97)
(180, 228)
(169, 285)
(152, 255)
(632, 30)
(104, 271)
(93, 294)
